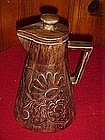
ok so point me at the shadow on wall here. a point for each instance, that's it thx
(81, 37)
(35, 19)
(53, 10)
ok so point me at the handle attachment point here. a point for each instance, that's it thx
(86, 49)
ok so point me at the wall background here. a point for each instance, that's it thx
(80, 20)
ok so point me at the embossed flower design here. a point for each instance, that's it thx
(58, 111)
(47, 85)
(46, 100)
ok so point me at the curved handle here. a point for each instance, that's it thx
(86, 49)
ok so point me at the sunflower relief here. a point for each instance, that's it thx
(46, 99)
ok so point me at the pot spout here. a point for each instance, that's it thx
(23, 38)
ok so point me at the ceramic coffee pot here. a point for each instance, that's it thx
(44, 101)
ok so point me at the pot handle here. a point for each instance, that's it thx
(86, 49)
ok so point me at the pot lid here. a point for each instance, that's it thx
(49, 31)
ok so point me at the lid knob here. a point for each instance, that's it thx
(49, 20)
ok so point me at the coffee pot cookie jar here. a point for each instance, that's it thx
(44, 102)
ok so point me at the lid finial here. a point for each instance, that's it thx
(49, 20)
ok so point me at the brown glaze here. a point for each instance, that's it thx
(44, 102)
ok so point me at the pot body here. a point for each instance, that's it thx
(44, 101)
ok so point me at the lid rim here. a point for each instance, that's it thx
(47, 42)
